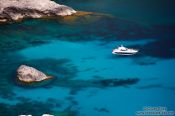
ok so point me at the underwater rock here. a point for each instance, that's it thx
(14, 10)
(84, 18)
(101, 110)
(33, 107)
(29, 74)
(64, 113)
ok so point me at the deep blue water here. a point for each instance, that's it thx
(89, 80)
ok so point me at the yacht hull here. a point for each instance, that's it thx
(122, 53)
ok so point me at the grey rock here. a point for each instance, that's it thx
(14, 10)
(29, 74)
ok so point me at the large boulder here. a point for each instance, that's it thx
(29, 74)
(14, 10)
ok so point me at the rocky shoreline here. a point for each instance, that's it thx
(15, 10)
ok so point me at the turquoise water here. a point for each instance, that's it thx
(89, 80)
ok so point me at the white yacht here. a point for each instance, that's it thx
(124, 51)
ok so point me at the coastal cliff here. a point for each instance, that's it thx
(15, 10)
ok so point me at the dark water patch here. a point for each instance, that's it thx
(170, 88)
(93, 69)
(26, 34)
(102, 110)
(75, 90)
(109, 29)
(164, 31)
(103, 43)
(160, 48)
(15, 39)
(55, 102)
(97, 77)
(88, 69)
(69, 98)
(34, 108)
(104, 69)
(152, 79)
(159, 86)
(37, 42)
(8, 65)
(147, 11)
(117, 29)
(77, 85)
(27, 27)
(117, 82)
(146, 63)
(72, 101)
(23, 99)
(103, 83)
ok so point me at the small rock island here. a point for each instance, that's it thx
(28, 74)
(15, 10)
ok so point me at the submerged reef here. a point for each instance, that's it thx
(75, 28)
(34, 108)
(63, 71)
(15, 10)
(102, 83)
(84, 18)
(65, 74)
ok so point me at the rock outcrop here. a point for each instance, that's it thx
(14, 10)
(29, 74)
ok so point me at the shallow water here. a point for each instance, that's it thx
(89, 79)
